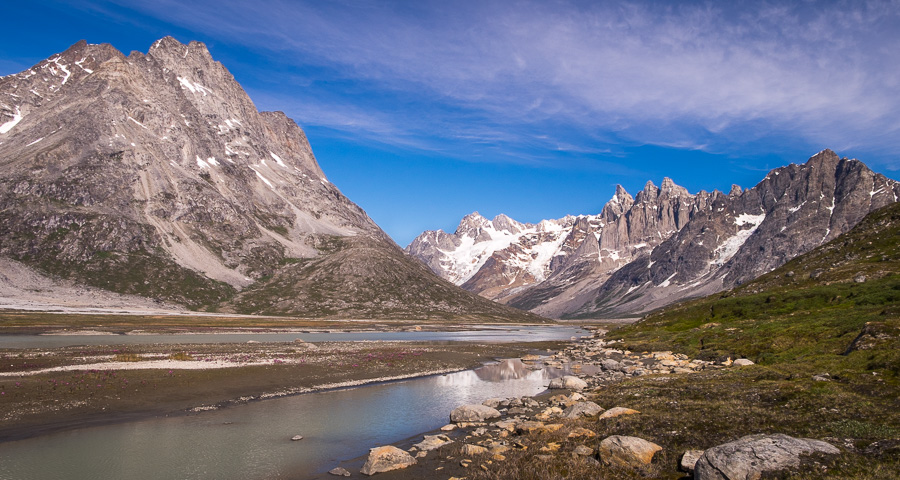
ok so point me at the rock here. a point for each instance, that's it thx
(743, 362)
(341, 472)
(688, 460)
(611, 365)
(582, 409)
(822, 377)
(494, 402)
(617, 411)
(583, 450)
(385, 459)
(570, 382)
(473, 413)
(448, 428)
(751, 456)
(528, 426)
(471, 450)
(432, 442)
(299, 342)
(549, 428)
(550, 447)
(581, 432)
(860, 279)
(296, 438)
(625, 451)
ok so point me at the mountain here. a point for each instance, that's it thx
(663, 245)
(155, 175)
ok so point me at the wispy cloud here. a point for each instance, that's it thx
(695, 75)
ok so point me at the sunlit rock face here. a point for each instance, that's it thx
(154, 174)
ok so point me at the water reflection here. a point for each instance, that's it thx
(252, 441)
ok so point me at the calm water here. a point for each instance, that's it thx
(253, 441)
(487, 334)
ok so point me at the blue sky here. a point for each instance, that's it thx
(424, 111)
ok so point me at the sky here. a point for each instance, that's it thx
(424, 111)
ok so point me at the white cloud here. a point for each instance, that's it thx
(654, 72)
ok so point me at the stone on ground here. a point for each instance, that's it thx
(626, 451)
(689, 459)
(385, 459)
(751, 456)
(582, 409)
(341, 472)
(570, 382)
(617, 411)
(432, 442)
(473, 413)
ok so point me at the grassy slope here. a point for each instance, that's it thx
(807, 318)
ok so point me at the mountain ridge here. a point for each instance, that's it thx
(664, 243)
(155, 175)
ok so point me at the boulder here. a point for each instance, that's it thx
(570, 382)
(582, 409)
(495, 402)
(743, 362)
(385, 459)
(625, 451)
(473, 413)
(339, 471)
(581, 432)
(751, 456)
(688, 460)
(471, 450)
(297, 438)
(617, 411)
(432, 442)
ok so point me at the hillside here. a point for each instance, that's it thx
(154, 175)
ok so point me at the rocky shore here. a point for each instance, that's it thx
(558, 434)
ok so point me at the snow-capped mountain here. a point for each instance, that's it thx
(154, 174)
(660, 246)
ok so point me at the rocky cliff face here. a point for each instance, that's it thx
(154, 174)
(664, 244)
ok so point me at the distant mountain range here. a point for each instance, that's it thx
(661, 246)
(155, 175)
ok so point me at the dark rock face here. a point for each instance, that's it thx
(155, 174)
(664, 244)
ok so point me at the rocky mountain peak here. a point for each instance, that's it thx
(503, 223)
(735, 191)
(648, 194)
(472, 225)
(670, 189)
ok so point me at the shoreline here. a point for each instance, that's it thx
(190, 392)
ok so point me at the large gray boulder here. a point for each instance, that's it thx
(473, 413)
(749, 457)
(385, 459)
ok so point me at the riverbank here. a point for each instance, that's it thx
(46, 390)
(654, 414)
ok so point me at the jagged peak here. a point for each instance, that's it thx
(169, 46)
(672, 189)
(502, 222)
(649, 193)
(621, 196)
(822, 157)
(735, 190)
